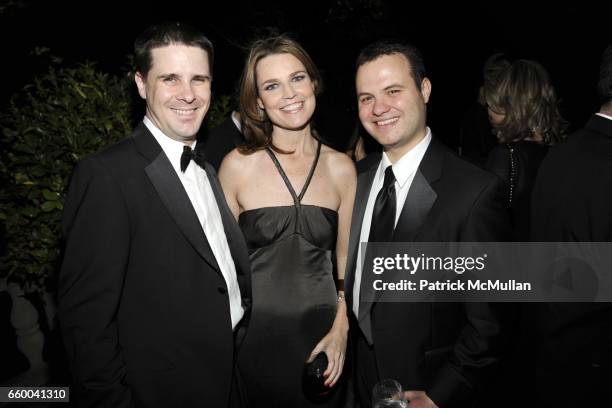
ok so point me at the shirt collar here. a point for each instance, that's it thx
(235, 119)
(604, 115)
(408, 164)
(172, 148)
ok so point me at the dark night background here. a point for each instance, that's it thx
(456, 39)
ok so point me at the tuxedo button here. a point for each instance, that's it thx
(222, 290)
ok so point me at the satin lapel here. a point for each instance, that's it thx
(364, 185)
(235, 237)
(173, 195)
(421, 195)
(419, 201)
(365, 303)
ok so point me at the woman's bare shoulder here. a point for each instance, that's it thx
(238, 162)
(338, 164)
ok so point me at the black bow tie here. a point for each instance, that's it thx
(197, 155)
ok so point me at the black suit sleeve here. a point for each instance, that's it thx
(476, 351)
(488, 220)
(96, 227)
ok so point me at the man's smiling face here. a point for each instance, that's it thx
(177, 90)
(391, 106)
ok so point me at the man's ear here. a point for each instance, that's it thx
(141, 84)
(425, 89)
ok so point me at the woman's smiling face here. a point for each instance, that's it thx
(286, 91)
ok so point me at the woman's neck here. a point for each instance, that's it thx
(295, 141)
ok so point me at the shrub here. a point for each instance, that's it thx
(47, 128)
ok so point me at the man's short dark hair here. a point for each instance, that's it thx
(605, 75)
(387, 47)
(165, 34)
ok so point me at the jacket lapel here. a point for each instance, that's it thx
(421, 196)
(235, 238)
(419, 201)
(364, 185)
(173, 195)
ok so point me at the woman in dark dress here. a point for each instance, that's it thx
(523, 110)
(293, 198)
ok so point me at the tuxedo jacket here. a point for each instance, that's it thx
(446, 349)
(572, 202)
(143, 306)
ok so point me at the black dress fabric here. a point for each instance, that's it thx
(294, 297)
(517, 165)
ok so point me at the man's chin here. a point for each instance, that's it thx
(188, 132)
(386, 140)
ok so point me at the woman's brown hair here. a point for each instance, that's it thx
(523, 92)
(256, 126)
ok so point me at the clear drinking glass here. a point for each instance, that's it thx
(388, 393)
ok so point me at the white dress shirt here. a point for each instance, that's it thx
(404, 170)
(603, 115)
(197, 186)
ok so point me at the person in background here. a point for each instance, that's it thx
(476, 137)
(293, 198)
(225, 137)
(361, 144)
(523, 110)
(572, 202)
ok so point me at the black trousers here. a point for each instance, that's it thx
(365, 370)
(238, 397)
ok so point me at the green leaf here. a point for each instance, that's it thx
(78, 90)
(48, 206)
(50, 195)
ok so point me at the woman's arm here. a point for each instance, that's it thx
(343, 175)
(230, 179)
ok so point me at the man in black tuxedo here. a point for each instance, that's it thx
(416, 190)
(155, 277)
(572, 202)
